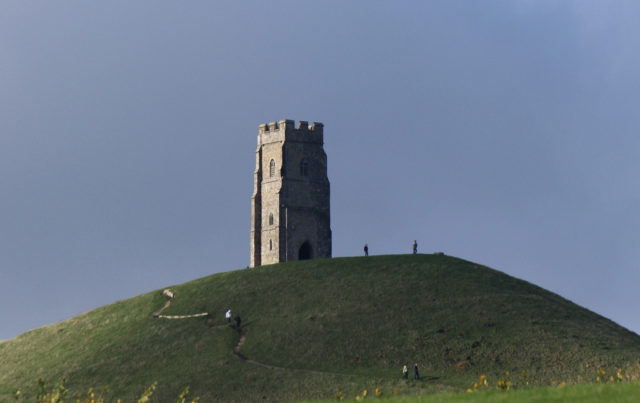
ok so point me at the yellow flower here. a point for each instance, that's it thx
(507, 373)
(469, 390)
(562, 384)
(482, 377)
(365, 393)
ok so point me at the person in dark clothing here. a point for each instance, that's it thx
(366, 250)
(415, 246)
(416, 374)
(238, 321)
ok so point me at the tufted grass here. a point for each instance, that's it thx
(342, 324)
(585, 393)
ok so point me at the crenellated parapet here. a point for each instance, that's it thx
(287, 129)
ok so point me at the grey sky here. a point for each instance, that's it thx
(503, 132)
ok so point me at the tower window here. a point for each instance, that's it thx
(304, 168)
(270, 219)
(270, 244)
(272, 169)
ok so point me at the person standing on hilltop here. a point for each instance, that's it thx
(366, 250)
(415, 247)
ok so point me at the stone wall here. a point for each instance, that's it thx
(290, 203)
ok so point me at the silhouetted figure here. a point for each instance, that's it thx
(415, 247)
(366, 250)
(416, 374)
(238, 321)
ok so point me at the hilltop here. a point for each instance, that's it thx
(323, 326)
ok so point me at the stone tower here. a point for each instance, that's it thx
(290, 217)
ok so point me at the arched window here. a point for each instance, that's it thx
(272, 169)
(304, 168)
(270, 219)
(305, 252)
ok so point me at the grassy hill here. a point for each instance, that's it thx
(341, 324)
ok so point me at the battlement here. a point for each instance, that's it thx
(288, 125)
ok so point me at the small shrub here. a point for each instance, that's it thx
(146, 395)
(91, 396)
(504, 382)
(56, 395)
(183, 397)
(524, 378)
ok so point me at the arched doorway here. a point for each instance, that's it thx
(305, 251)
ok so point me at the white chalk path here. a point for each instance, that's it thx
(169, 295)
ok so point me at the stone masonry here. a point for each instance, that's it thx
(290, 216)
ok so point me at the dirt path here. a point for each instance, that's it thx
(236, 351)
(243, 338)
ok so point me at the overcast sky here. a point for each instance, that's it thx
(502, 132)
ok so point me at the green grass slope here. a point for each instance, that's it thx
(341, 324)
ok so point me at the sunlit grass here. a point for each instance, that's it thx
(586, 393)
